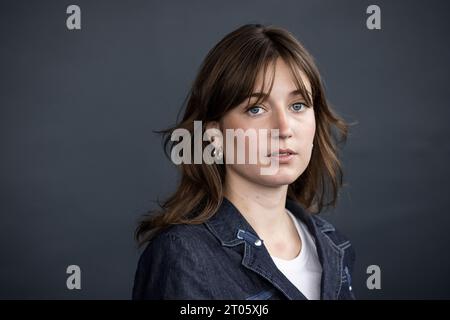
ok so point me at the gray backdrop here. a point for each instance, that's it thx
(80, 164)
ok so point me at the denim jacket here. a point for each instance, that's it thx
(223, 258)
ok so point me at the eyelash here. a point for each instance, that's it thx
(257, 106)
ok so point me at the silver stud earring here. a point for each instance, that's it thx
(217, 153)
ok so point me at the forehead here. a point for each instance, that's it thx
(283, 79)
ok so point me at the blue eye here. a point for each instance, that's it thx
(297, 107)
(254, 110)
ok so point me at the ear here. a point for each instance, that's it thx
(209, 128)
(212, 124)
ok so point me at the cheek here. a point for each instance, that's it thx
(304, 138)
(234, 122)
(306, 128)
(310, 130)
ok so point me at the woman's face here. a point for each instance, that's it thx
(285, 110)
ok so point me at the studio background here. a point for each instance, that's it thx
(80, 163)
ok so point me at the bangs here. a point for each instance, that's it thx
(263, 93)
(244, 68)
(296, 69)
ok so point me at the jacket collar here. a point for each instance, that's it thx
(232, 229)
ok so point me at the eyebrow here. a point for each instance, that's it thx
(265, 95)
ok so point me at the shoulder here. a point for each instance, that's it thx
(177, 239)
(170, 266)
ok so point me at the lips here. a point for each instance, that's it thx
(282, 152)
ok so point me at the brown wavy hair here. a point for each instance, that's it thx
(226, 78)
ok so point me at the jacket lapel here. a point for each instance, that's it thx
(232, 229)
(330, 255)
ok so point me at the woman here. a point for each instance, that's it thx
(231, 231)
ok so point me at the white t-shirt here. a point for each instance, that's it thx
(305, 270)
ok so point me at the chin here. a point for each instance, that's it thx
(279, 179)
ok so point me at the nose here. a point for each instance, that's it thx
(282, 123)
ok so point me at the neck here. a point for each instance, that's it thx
(262, 206)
